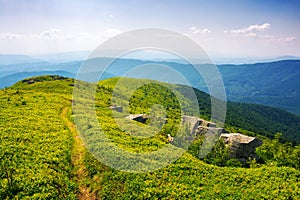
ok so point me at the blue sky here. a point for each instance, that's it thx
(249, 28)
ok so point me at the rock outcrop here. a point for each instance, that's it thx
(138, 117)
(117, 108)
(241, 146)
(192, 121)
(44, 78)
(207, 127)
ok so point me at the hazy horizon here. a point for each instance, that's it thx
(252, 29)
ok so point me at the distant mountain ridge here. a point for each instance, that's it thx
(13, 78)
(222, 60)
(16, 59)
(274, 84)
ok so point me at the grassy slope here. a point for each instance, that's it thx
(260, 119)
(36, 143)
(186, 178)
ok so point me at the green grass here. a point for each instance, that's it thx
(188, 177)
(36, 148)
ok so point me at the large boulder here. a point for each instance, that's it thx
(208, 128)
(201, 126)
(192, 121)
(204, 130)
(138, 117)
(117, 108)
(241, 146)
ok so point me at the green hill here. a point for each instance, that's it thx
(271, 83)
(42, 156)
(254, 118)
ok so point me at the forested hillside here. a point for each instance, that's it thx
(272, 83)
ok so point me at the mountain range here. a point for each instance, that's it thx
(273, 84)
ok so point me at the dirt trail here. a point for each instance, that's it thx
(78, 151)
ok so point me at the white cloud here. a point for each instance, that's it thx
(250, 32)
(195, 30)
(254, 27)
(56, 34)
(278, 39)
(53, 40)
(205, 30)
(110, 32)
(61, 37)
(250, 35)
(290, 39)
(54, 30)
(270, 37)
(11, 36)
(286, 39)
(47, 34)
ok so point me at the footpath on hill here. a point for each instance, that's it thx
(78, 152)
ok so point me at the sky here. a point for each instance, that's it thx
(241, 28)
